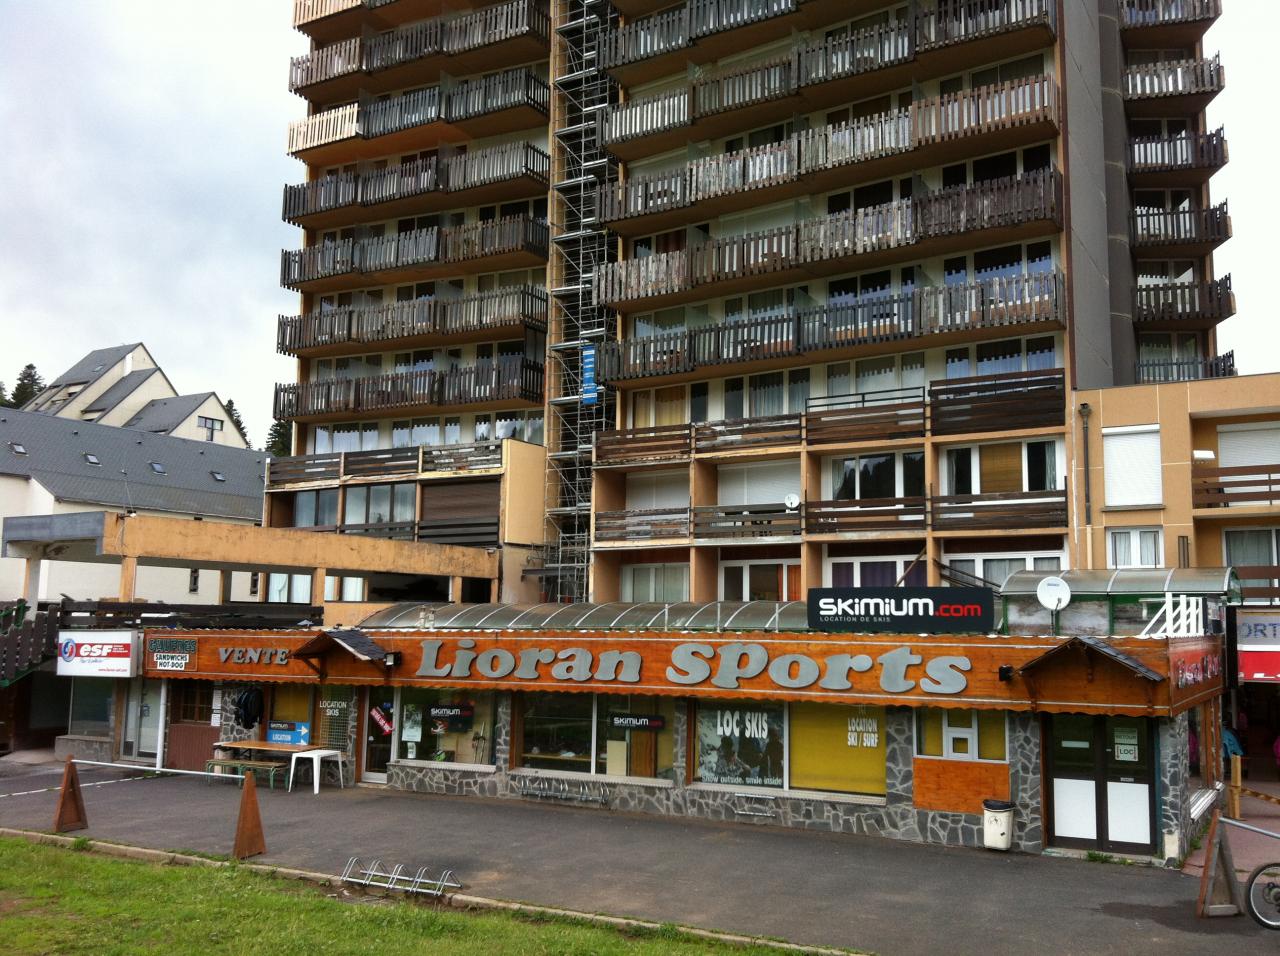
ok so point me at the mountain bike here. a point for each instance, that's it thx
(1262, 895)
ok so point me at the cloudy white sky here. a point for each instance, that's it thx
(143, 162)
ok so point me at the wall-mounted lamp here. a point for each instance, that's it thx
(1203, 454)
(1005, 673)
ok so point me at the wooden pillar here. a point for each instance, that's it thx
(455, 589)
(704, 574)
(128, 578)
(493, 591)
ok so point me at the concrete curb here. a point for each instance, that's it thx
(458, 901)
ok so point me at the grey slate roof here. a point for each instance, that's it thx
(55, 457)
(165, 414)
(84, 370)
(121, 390)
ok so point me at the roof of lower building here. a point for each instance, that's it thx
(121, 390)
(166, 414)
(125, 468)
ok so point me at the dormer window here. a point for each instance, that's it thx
(157, 468)
(17, 448)
(91, 459)
(218, 476)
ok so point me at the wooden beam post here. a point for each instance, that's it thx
(128, 578)
(249, 838)
(33, 569)
(1233, 792)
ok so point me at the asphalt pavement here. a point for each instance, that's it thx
(866, 893)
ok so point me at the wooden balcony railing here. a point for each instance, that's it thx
(1157, 227)
(987, 403)
(735, 434)
(305, 11)
(877, 416)
(933, 120)
(651, 36)
(506, 380)
(447, 244)
(1251, 486)
(664, 442)
(867, 514)
(998, 203)
(640, 524)
(1023, 509)
(1259, 583)
(371, 118)
(745, 521)
(498, 310)
(872, 318)
(1158, 154)
(455, 173)
(1173, 78)
(1135, 14)
(1206, 302)
(956, 21)
(383, 463)
(1186, 370)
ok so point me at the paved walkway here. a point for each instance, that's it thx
(814, 888)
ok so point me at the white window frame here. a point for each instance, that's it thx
(975, 473)
(1135, 547)
(626, 582)
(1029, 559)
(949, 734)
(1275, 550)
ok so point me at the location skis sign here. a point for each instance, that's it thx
(902, 610)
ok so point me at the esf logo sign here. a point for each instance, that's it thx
(100, 654)
(902, 610)
(71, 650)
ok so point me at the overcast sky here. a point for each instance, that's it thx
(144, 156)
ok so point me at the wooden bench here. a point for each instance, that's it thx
(270, 767)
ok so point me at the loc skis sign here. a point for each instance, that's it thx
(902, 610)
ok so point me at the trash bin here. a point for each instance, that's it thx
(997, 824)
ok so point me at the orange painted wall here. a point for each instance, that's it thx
(957, 786)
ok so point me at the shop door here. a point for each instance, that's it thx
(142, 720)
(379, 733)
(1102, 782)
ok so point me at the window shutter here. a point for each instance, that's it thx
(1000, 467)
(759, 483)
(1253, 446)
(670, 490)
(1132, 468)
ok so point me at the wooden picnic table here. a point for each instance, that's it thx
(266, 746)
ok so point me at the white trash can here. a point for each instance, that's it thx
(997, 824)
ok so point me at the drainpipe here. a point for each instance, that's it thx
(1085, 412)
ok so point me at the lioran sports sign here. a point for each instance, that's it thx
(97, 654)
(902, 610)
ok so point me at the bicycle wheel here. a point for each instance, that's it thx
(1263, 895)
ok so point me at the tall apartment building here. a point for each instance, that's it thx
(832, 270)
(421, 332)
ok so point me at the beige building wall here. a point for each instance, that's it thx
(212, 407)
(157, 386)
(138, 359)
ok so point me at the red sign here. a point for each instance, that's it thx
(1260, 666)
(381, 721)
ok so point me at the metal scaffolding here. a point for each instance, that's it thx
(577, 406)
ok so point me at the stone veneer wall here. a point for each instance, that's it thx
(1173, 784)
(897, 817)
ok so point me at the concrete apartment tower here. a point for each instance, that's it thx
(421, 331)
(838, 267)
(811, 281)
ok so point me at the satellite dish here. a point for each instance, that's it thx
(791, 501)
(1054, 593)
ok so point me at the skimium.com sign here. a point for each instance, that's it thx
(97, 653)
(902, 610)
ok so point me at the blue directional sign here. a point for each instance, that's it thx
(589, 387)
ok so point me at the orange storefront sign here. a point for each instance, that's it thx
(878, 669)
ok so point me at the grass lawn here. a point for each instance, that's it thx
(55, 900)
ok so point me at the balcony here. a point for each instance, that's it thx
(326, 21)
(514, 32)
(642, 525)
(1172, 87)
(515, 242)
(992, 403)
(1171, 161)
(720, 522)
(999, 510)
(487, 385)
(1166, 24)
(929, 132)
(1242, 486)
(866, 514)
(486, 106)
(414, 324)
(1184, 306)
(384, 463)
(1027, 302)
(1185, 370)
(497, 174)
(985, 213)
(826, 73)
(983, 404)
(1182, 233)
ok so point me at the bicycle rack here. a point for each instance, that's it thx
(396, 880)
(748, 805)
(553, 788)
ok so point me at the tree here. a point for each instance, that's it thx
(280, 439)
(4, 397)
(234, 414)
(30, 384)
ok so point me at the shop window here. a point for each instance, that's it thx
(92, 702)
(960, 734)
(450, 726)
(333, 718)
(579, 733)
(191, 702)
(837, 748)
(290, 720)
(1134, 548)
(740, 745)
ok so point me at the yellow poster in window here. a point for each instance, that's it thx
(838, 748)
